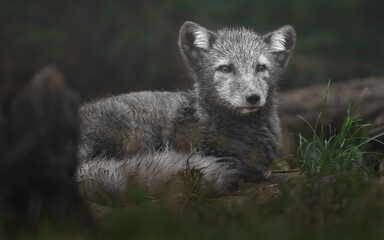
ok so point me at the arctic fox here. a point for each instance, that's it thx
(226, 126)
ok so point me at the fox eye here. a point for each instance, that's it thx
(261, 68)
(225, 69)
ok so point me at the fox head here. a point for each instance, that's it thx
(236, 68)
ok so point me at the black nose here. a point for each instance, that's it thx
(253, 98)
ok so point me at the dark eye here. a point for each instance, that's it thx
(261, 68)
(225, 69)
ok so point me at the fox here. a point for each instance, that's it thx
(226, 125)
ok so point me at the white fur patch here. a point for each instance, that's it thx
(154, 170)
(201, 39)
(263, 60)
(248, 110)
(278, 42)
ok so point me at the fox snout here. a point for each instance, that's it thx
(253, 102)
(253, 98)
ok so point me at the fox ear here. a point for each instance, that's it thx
(283, 39)
(194, 39)
(281, 43)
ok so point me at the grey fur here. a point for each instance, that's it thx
(227, 125)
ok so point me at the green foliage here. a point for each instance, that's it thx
(341, 209)
(196, 189)
(339, 154)
(337, 208)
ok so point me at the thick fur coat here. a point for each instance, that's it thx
(227, 125)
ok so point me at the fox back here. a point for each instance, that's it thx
(226, 126)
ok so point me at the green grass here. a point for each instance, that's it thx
(195, 190)
(338, 154)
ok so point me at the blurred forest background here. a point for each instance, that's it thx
(109, 47)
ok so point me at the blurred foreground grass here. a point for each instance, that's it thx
(332, 208)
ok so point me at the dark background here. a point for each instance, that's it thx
(109, 47)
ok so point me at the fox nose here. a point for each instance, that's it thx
(253, 98)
